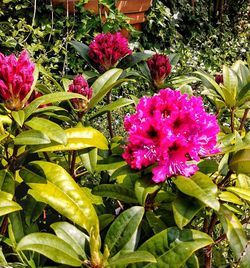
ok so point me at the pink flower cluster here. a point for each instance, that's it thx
(80, 86)
(16, 78)
(160, 67)
(107, 48)
(172, 131)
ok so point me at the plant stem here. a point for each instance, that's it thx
(72, 165)
(232, 119)
(111, 132)
(225, 179)
(243, 119)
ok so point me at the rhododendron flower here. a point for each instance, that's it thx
(16, 78)
(171, 131)
(219, 79)
(107, 48)
(80, 86)
(160, 67)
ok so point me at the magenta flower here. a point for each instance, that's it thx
(80, 86)
(16, 78)
(160, 67)
(107, 48)
(171, 131)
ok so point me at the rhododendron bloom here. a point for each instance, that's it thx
(171, 131)
(16, 78)
(107, 48)
(160, 67)
(80, 86)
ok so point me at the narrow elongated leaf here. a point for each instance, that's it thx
(105, 220)
(173, 247)
(49, 98)
(155, 222)
(201, 187)
(122, 229)
(230, 197)
(234, 230)
(89, 160)
(8, 206)
(115, 191)
(15, 228)
(7, 182)
(230, 81)
(50, 246)
(185, 208)
(61, 192)
(241, 192)
(71, 235)
(77, 139)
(51, 129)
(31, 137)
(113, 106)
(126, 258)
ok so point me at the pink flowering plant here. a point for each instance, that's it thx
(169, 192)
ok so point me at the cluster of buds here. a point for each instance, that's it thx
(159, 67)
(80, 86)
(16, 78)
(107, 48)
(219, 79)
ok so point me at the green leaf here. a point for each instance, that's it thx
(234, 230)
(77, 139)
(184, 209)
(31, 137)
(49, 128)
(230, 197)
(19, 117)
(50, 246)
(49, 98)
(71, 235)
(173, 247)
(7, 183)
(155, 222)
(143, 188)
(15, 227)
(115, 191)
(122, 229)
(125, 258)
(89, 160)
(133, 59)
(113, 106)
(201, 187)
(241, 192)
(240, 162)
(61, 192)
(105, 220)
(208, 166)
(8, 206)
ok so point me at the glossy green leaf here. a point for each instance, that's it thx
(31, 137)
(50, 246)
(201, 187)
(71, 235)
(8, 206)
(173, 247)
(51, 129)
(155, 222)
(245, 260)
(230, 82)
(77, 139)
(143, 188)
(208, 166)
(7, 183)
(111, 163)
(241, 192)
(89, 160)
(15, 227)
(3, 261)
(125, 258)
(49, 98)
(105, 220)
(240, 162)
(230, 197)
(184, 209)
(122, 229)
(115, 191)
(113, 106)
(233, 230)
(19, 117)
(61, 192)
(133, 59)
